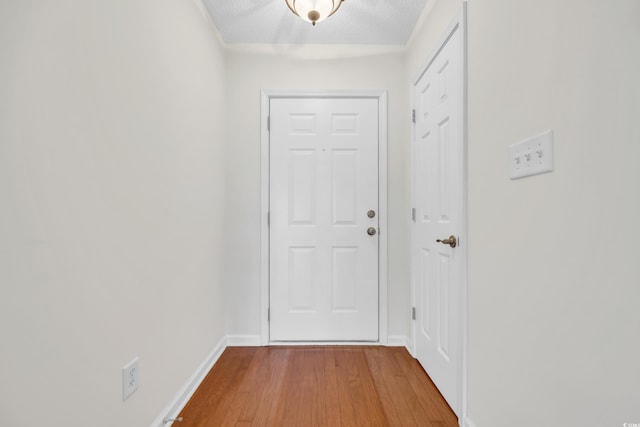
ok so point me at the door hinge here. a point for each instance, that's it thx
(268, 314)
(269, 123)
(413, 214)
(413, 313)
(268, 219)
(413, 115)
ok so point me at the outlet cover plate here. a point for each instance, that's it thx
(130, 378)
(532, 156)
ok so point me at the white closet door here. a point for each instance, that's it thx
(438, 194)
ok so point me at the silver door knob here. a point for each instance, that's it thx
(371, 231)
(371, 213)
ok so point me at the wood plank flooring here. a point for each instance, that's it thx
(317, 386)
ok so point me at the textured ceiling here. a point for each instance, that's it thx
(376, 22)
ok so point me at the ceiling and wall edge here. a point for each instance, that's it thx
(314, 51)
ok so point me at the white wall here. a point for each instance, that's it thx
(111, 206)
(553, 278)
(430, 28)
(306, 68)
(554, 282)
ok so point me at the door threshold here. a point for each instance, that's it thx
(323, 343)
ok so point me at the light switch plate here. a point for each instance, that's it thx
(532, 156)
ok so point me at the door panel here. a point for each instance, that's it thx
(301, 271)
(344, 179)
(323, 266)
(438, 193)
(302, 187)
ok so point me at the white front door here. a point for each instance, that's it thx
(323, 202)
(438, 182)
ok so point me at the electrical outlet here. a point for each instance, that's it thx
(130, 378)
(532, 156)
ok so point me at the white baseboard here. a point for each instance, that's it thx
(182, 397)
(468, 423)
(401, 341)
(243, 341)
(397, 341)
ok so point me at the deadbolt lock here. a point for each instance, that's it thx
(371, 213)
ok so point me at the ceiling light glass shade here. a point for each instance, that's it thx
(314, 10)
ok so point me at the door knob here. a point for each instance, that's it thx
(371, 231)
(451, 241)
(371, 214)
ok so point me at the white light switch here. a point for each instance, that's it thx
(531, 156)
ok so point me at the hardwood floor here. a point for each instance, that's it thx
(317, 386)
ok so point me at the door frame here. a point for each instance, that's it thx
(459, 23)
(381, 96)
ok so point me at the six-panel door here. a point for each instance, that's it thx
(438, 196)
(323, 184)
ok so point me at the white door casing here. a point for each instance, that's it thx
(323, 266)
(439, 270)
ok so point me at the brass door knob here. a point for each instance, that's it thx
(451, 241)
(371, 231)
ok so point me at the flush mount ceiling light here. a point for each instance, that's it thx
(314, 10)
